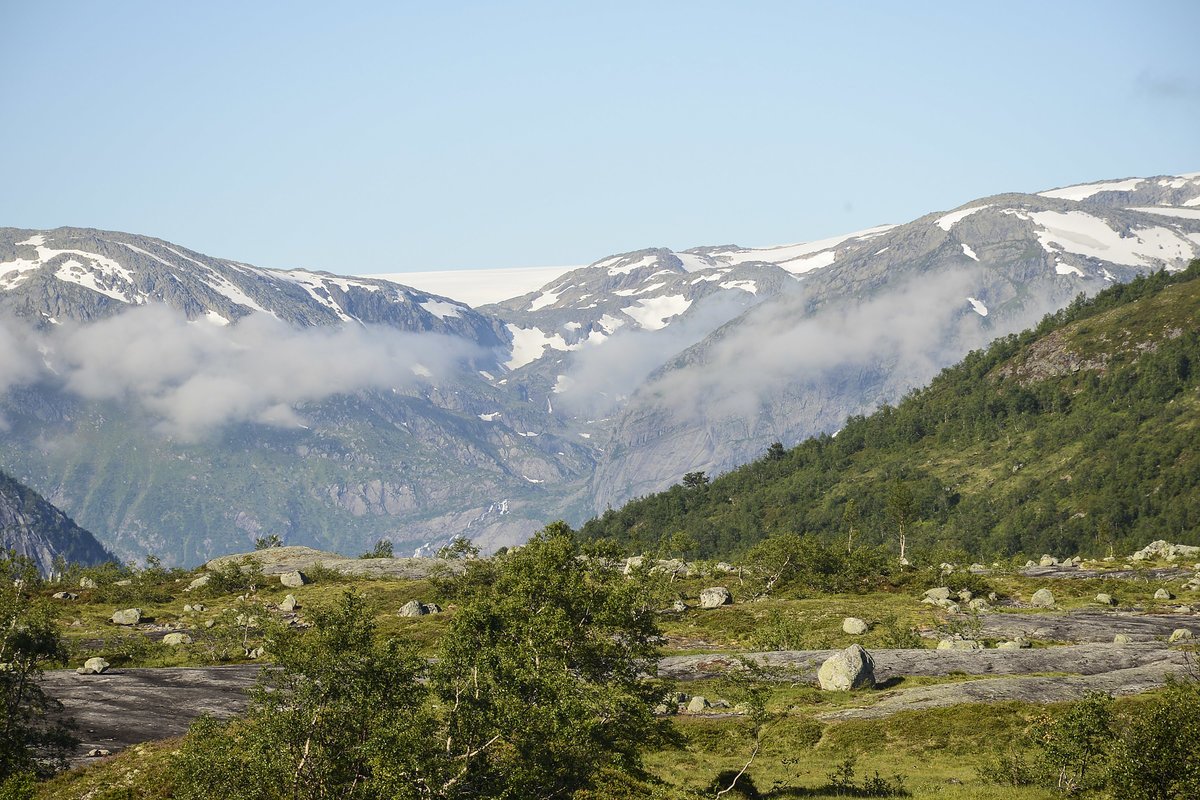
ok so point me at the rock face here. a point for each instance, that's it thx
(34, 528)
(128, 616)
(715, 596)
(852, 668)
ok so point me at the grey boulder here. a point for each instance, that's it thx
(852, 668)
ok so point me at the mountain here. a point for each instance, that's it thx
(184, 405)
(31, 527)
(1077, 436)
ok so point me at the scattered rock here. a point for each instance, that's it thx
(679, 606)
(176, 639)
(1007, 646)
(979, 604)
(65, 596)
(1105, 599)
(965, 595)
(852, 668)
(128, 616)
(940, 593)
(854, 626)
(698, 704)
(1180, 634)
(98, 752)
(87, 583)
(1122, 638)
(433, 608)
(715, 596)
(289, 603)
(293, 579)
(93, 666)
(126, 582)
(1163, 594)
(1048, 561)
(1165, 550)
(414, 608)
(1043, 598)
(959, 644)
(255, 652)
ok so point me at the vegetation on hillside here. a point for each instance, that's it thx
(1075, 437)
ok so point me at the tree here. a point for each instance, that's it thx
(460, 547)
(902, 511)
(267, 542)
(29, 642)
(776, 452)
(1158, 755)
(850, 518)
(536, 688)
(382, 549)
(694, 480)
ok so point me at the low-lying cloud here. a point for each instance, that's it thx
(192, 377)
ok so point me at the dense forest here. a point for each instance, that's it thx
(1078, 436)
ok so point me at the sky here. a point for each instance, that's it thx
(365, 138)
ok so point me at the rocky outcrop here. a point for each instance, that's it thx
(34, 528)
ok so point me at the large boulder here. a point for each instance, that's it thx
(852, 668)
(1180, 634)
(1043, 598)
(715, 596)
(127, 616)
(93, 666)
(414, 608)
(176, 639)
(293, 579)
(854, 626)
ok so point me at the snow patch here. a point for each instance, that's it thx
(421, 371)
(572, 326)
(978, 306)
(969, 253)
(529, 344)
(215, 318)
(645, 261)
(562, 384)
(1085, 235)
(36, 240)
(1067, 269)
(1086, 190)
(547, 299)
(492, 417)
(1195, 201)
(477, 287)
(745, 286)
(487, 375)
(652, 313)
(440, 308)
(948, 221)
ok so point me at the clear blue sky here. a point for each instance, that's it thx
(380, 137)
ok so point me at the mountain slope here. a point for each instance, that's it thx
(1078, 436)
(31, 527)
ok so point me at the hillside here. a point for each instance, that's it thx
(31, 527)
(1076, 436)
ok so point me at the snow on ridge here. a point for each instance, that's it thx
(969, 253)
(548, 298)
(478, 287)
(745, 286)
(978, 307)
(1067, 269)
(645, 261)
(652, 313)
(35, 240)
(1195, 201)
(1086, 235)
(1086, 190)
(948, 221)
(781, 254)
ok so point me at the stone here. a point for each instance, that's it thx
(125, 582)
(632, 563)
(289, 603)
(1007, 646)
(176, 639)
(187, 609)
(854, 626)
(965, 595)
(1180, 634)
(940, 593)
(1043, 598)
(959, 644)
(1163, 594)
(1048, 561)
(1105, 599)
(723, 566)
(433, 608)
(413, 608)
(715, 596)
(679, 606)
(128, 616)
(208, 623)
(98, 752)
(1122, 638)
(293, 579)
(255, 652)
(87, 583)
(698, 704)
(852, 668)
(93, 666)
(198, 582)
(979, 604)
(65, 596)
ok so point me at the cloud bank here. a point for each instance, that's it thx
(192, 377)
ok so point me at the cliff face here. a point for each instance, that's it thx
(31, 527)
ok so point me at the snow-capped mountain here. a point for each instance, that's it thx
(181, 404)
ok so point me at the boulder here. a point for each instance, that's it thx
(852, 668)
(87, 583)
(959, 644)
(979, 604)
(128, 616)
(854, 626)
(965, 595)
(1122, 638)
(679, 606)
(1048, 561)
(289, 603)
(176, 639)
(1043, 598)
(414, 608)
(715, 596)
(1180, 634)
(1105, 599)
(93, 666)
(1008, 646)
(940, 593)
(293, 579)
(1163, 594)
(65, 596)
(198, 582)
(698, 704)
(99, 752)
(433, 608)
